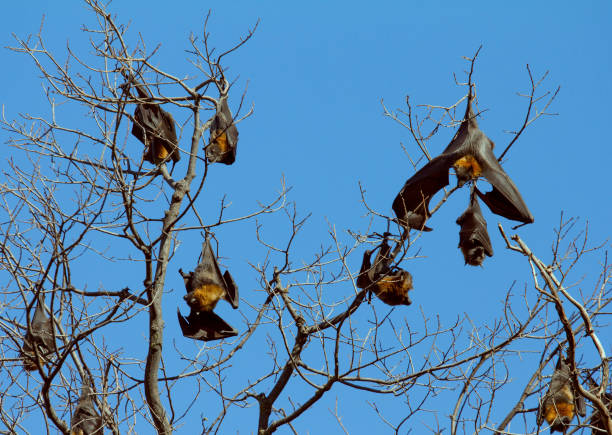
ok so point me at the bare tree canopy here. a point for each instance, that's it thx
(447, 276)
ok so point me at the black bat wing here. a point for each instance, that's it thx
(41, 329)
(411, 205)
(205, 326)
(363, 279)
(223, 136)
(505, 199)
(474, 238)
(168, 135)
(231, 294)
(85, 416)
(381, 262)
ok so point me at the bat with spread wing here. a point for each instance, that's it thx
(85, 420)
(473, 236)
(470, 153)
(560, 403)
(155, 128)
(390, 286)
(39, 337)
(205, 287)
(223, 135)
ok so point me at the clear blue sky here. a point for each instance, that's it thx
(316, 73)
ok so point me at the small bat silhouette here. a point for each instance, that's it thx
(155, 128)
(391, 287)
(223, 135)
(85, 420)
(560, 403)
(470, 153)
(205, 287)
(39, 336)
(473, 236)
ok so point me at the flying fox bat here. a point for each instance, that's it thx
(473, 236)
(205, 287)
(560, 403)
(155, 128)
(597, 424)
(223, 135)
(470, 153)
(85, 420)
(39, 336)
(391, 287)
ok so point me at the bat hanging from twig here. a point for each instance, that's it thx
(39, 337)
(560, 404)
(470, 153)
(223, 135)
(205, 287)
(155, 128)
(391, 286)
(473, 236)
(85, 420)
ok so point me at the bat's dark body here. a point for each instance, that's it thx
(473, 236)
(205, 287)
(391, 287)
(223, 136)
(85, 420)
(560, 403)
(155, 128)
(470, 153)
(597, 425)
(40, 336)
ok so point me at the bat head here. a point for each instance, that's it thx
(473, 252)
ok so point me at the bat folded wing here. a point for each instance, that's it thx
(474, 238)
(505, 199)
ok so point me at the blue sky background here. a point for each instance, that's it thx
(316, 74)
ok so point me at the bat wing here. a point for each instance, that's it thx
(363, 279)
(205, 326)
(39, 335)
(411, 205)
(473, 236)
(231, 295)
(381, 262)
(505, 199)
(223, 136)
(156, 129)
(85, 417)
(168, 135)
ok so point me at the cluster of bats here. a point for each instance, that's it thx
(470, 153)
(156, 129)
(39, 349)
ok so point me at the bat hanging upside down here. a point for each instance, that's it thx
(155, 128)
(560, 403)
(470, 153)
(205, 287)
(391, 287)
(223, 135)
(39, 337)
(85, 420)
(473, 236)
